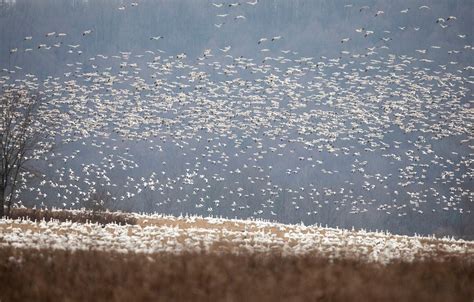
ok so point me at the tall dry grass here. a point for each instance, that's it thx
(54, 275)
(74, 216)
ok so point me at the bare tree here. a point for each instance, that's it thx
(21, 133)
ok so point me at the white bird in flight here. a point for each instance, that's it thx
(225, 49)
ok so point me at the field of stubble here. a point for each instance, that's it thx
(233, 261)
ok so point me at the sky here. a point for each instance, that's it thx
(348, 114)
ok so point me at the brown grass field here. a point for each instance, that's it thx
(81, 217)
(91, 275)
(49, 275)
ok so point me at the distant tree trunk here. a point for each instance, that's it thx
(2, 201)
(21, 130)
(9, 199)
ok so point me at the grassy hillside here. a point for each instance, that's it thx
(79, 256)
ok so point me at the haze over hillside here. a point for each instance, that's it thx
(316, 111)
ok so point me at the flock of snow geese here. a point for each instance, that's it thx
(215, 235)
(276, 136)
